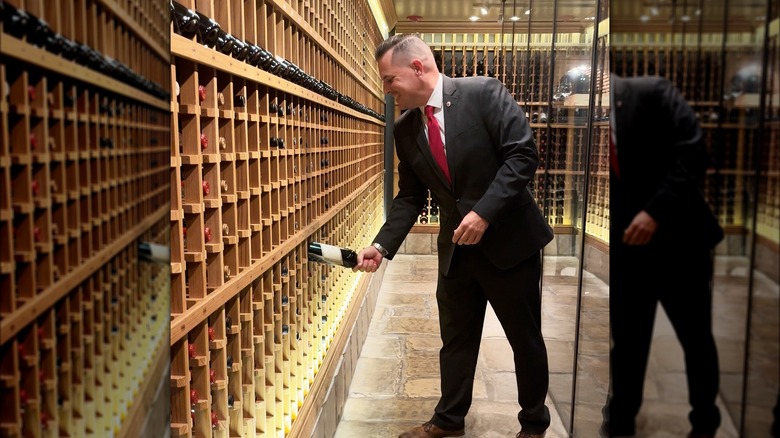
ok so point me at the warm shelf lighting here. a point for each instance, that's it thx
(473, 18)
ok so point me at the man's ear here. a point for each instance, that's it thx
(417, 66)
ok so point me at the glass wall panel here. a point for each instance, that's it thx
(722, 55)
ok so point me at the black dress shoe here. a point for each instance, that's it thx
(430, 430)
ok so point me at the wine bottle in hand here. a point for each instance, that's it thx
(334, 255)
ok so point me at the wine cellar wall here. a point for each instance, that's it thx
(277, 142)
(84, 132)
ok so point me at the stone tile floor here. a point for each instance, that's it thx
(396, 385)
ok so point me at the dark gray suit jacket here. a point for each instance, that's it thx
(662, 161)
(491, 156)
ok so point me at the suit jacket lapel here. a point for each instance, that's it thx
(450, 122)
(621, 90)
(452, 126)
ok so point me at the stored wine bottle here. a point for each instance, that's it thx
(154, 252)
(334, 255)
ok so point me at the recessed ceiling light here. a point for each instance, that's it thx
(483, 10)
(685, 18)
(590, 18)
(473, 18)
(644, 18)
(527, 12)
(514, 18)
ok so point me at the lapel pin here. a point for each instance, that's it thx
(448, 104)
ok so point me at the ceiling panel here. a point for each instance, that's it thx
(686, 16)
(575, 14)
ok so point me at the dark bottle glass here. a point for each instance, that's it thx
(16, 20)
(334, 255)
(239, 100)
(185, 21)
(208, 30)
(240, 49)
(230, 400)
(225, 42)
(254, 54)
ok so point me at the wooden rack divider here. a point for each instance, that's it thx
(83, 171)
(260, 167)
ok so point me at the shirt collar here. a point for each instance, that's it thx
(436, 97)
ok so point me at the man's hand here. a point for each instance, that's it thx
(641, 229)
(470, 230)
(369, 260)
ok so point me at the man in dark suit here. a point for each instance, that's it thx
(475, 152)
(662, 234)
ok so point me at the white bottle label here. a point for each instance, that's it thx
(331, 253)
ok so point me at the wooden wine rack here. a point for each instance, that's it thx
(262, 164)
(559, 119)
(730, 123)
(84, 126)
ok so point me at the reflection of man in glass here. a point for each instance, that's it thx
(662, 233)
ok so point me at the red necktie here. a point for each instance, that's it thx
(613, 157)
(434, 140)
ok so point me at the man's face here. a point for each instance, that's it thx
(403, 81)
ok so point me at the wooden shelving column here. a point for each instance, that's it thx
(83, 178)
(558, 117)
(262, 166)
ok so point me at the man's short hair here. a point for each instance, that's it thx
(402, 43)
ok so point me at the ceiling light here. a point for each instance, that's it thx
(654, 11)
(483, 10)
(590, 18)
(527, 12)
(685, 18)
(514, 18)
(473, 18)
(644, 18)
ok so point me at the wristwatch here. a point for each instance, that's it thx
(381, 249)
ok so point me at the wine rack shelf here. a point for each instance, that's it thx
(84, 126)
(278, 141)
(552, 85)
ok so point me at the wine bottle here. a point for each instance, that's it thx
(334, 255)
(154, 252)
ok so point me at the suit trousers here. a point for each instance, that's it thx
(680, 280)
(514, 295)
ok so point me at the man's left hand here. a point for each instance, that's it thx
(641, 229)
(470, 230)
